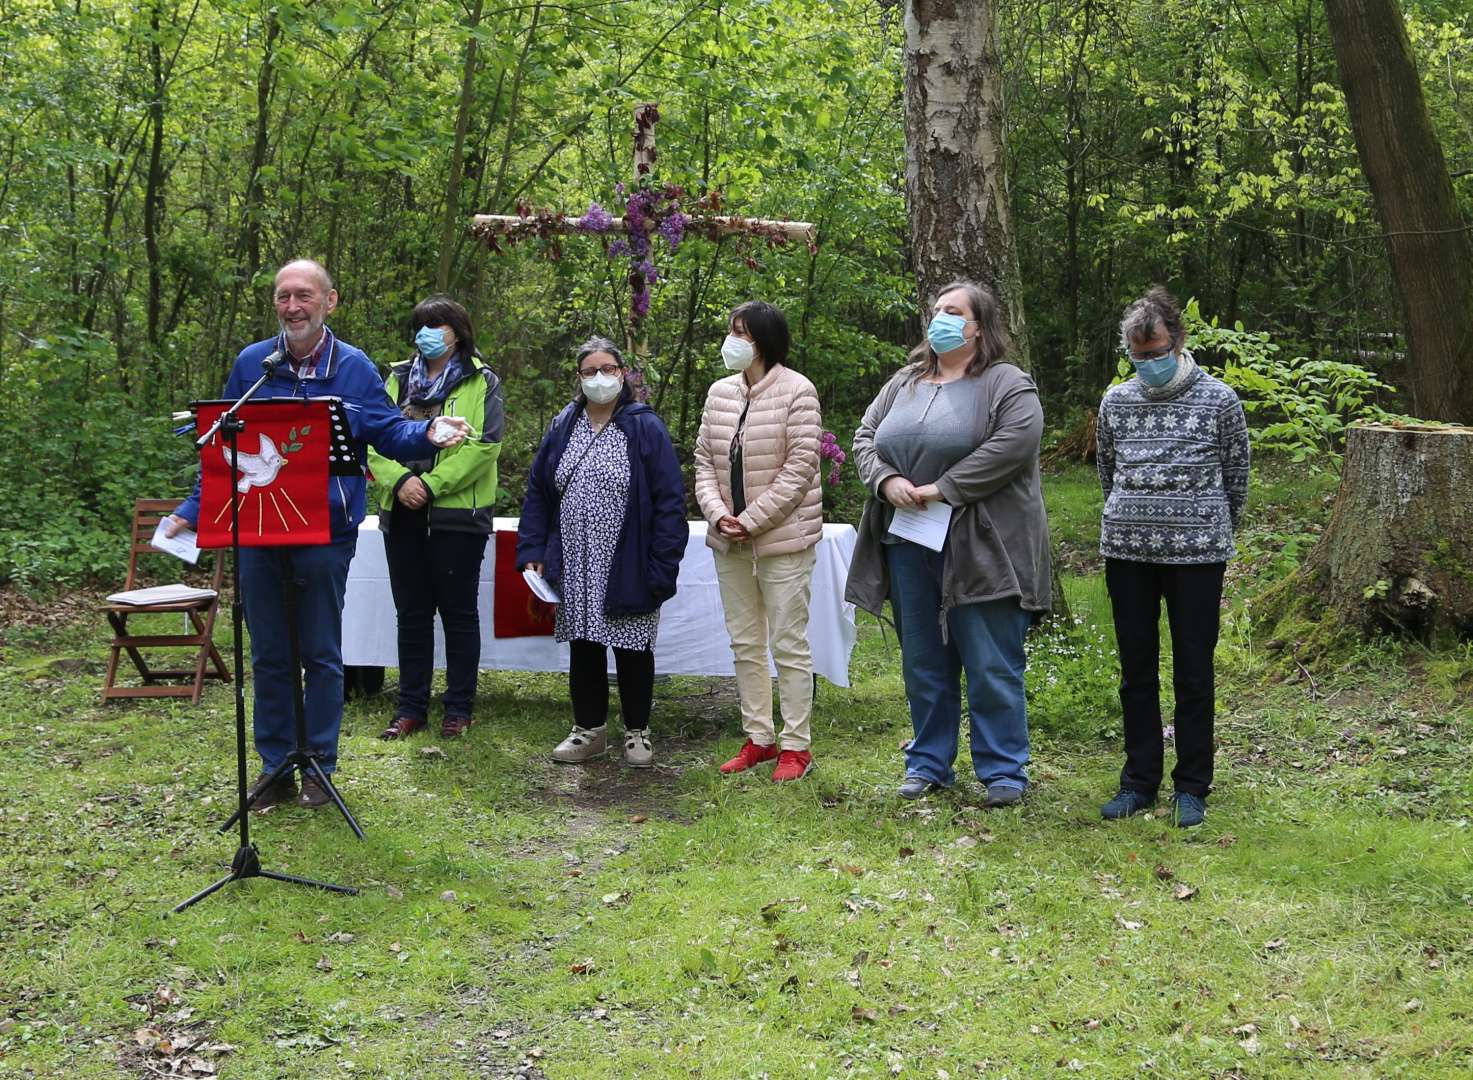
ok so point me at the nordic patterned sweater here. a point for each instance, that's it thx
(1174, 468)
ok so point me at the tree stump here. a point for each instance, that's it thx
(1397, 554)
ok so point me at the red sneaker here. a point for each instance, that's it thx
(792, 765)
(750, 754)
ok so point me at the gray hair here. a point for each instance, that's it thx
(323, 277)
(1157, 310)
(599, 344)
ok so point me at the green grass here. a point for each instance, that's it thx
(600, 922)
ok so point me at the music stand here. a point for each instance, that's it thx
(247, 862)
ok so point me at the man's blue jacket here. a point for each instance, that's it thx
(342, 372)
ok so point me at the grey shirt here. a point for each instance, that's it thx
(997, 544)
(929, 428)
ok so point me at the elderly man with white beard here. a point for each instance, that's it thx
(315, 363)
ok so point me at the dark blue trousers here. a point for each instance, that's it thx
(321, 576)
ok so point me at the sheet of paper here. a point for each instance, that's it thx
(925, 527)
(182, 544)
(540, 588)
(160, 594)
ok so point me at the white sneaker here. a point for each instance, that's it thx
(582, 744)
(638, 752)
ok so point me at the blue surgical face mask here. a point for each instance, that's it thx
(946, 332)
(1157, 370)
(431, 343)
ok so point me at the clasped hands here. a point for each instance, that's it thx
(902, 494)
(733, 529)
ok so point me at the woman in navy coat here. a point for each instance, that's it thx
(604, 523)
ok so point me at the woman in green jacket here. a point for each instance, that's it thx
(437, 513)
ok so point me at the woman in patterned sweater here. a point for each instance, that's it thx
(1173, 461)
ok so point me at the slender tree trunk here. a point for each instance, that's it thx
(457, 154)
(511, 113)
(956, 182)
(1430, 246)
(153, 198)
(265, 83)
(1075, 160)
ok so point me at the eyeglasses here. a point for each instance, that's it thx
(602, 369)
(1134, 359)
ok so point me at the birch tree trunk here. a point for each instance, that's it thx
(956, 177)
(956, 174)
(1430, 246)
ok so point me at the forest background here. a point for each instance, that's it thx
(162, 158)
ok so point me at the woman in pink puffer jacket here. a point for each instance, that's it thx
(757, 481)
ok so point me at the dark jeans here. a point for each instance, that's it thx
(433, 570)
(321, 576)
(1193, 595)
(588, 684)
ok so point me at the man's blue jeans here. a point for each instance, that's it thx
(986, 641)
(321, 576)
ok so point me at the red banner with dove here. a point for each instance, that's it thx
(281, 475)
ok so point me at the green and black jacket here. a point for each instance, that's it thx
(462, 479)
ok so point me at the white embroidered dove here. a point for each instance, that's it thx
(257, 470)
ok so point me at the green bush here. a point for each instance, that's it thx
(84, 450)
(1296, 406)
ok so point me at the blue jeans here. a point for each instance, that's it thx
(321, 576)
(986, 641)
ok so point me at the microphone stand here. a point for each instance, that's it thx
(247, 861)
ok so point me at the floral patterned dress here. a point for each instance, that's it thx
(593, 479)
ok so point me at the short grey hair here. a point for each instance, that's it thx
(598, 344)
(323, 277)
(1157, 310)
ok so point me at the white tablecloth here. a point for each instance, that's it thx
(692, 638)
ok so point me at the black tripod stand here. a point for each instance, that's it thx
(301, 757)
(247, 862)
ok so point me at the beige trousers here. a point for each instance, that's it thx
(766, 605)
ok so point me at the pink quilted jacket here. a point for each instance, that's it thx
(780, 461)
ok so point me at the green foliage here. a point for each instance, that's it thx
(1073, 681)
(1180, 142)
(81, 457)
(1298, 406)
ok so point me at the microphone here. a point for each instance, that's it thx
(272, 362)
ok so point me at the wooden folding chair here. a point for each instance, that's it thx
(208, 663)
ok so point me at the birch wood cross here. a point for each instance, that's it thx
(666, 216)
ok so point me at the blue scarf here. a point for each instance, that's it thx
(426, 391)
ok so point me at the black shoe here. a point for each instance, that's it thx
(313, 794)
(263, 796)
(1126, 803)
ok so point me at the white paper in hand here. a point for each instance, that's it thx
(182, 544)
(540, 588)
(925, 527)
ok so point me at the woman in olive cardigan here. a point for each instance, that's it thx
(437, 513)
